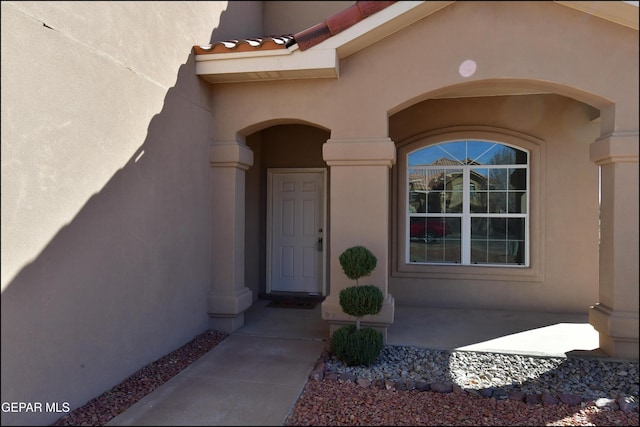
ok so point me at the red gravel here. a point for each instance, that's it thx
(102, 409)
(344, 403)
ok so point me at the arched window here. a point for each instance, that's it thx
(467, 204)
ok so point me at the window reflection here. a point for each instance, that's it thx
(494, 177)
(435, 239)
(497, 240)
(468, 152)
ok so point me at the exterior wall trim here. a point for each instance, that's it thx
(230, 154)
(614, 148)
(359, 152)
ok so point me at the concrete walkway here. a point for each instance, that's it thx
(255, 376)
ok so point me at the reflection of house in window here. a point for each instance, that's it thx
(442, 189)
(417, 191)
(480, 186)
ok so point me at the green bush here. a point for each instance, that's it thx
(357, 262)
(356, 347)
(352, 344)
(358, 301)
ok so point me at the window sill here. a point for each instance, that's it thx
(468, 272)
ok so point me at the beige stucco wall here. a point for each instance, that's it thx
(517, 48)
(105, 190)
(290, 17)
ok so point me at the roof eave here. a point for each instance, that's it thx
(267, 65)
(319, 61)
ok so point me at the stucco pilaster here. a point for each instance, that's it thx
(615, 316)
(228, 297)
(359, 212)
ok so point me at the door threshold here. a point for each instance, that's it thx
(292, 296)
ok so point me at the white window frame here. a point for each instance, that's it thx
(466, 215)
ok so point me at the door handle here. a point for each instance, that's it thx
(319, 244)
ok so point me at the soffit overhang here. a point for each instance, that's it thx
(322, 60)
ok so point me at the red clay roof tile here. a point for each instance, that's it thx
(344, 19)
(339, 22)
(368, 8)
(306, 38)
(245, 45)
(312, 36)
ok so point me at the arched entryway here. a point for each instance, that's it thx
(286, 197)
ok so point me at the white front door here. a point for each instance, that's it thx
(296, 229)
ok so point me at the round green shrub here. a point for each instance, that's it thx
(357, 262)
(358, 301)
(356, 347)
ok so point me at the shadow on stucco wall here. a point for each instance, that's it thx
(125, 281)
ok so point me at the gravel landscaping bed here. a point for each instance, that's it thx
(422, 387)
(100, 410)
(344, 403)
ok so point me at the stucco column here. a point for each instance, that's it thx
(615, 316)
(228, 296)
(359, 216)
